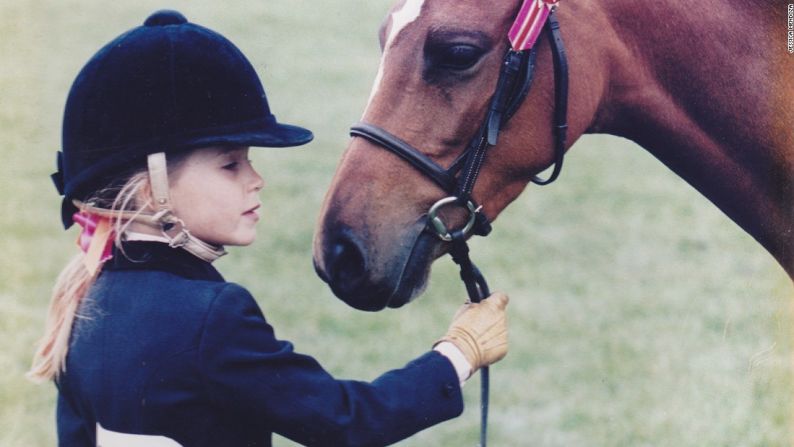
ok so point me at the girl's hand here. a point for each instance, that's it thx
(479, 331)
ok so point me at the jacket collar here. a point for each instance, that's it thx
(145, 255)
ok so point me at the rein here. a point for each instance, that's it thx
(515, 80)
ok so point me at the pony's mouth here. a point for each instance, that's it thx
(348, 272)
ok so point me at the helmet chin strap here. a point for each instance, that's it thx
(172, 227)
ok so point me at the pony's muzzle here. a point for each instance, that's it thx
(345, 264)
(344, 268)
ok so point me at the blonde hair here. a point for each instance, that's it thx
(75, 281)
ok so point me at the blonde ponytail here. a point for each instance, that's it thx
(70, 289)
(75, 281)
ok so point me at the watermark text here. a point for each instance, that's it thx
(790, 28)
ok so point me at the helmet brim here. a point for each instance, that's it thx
(276, 135)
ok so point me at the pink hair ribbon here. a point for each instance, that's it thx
(95, 240)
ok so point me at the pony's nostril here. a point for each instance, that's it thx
(346, 264)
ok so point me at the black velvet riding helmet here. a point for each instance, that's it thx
(168, 85)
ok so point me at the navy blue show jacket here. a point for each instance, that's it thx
(166, 347)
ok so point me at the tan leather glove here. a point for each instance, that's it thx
(479, 330)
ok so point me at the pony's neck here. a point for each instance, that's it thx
(704, 91)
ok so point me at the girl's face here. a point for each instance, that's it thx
(215, 193)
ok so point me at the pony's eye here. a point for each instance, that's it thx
(456, 57)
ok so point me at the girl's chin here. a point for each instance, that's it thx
(242, 240)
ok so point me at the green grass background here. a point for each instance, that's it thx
(640, 315)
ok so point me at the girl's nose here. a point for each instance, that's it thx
(258, 182)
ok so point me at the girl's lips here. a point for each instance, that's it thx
(253, 212)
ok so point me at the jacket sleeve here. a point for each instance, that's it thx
(252, 375)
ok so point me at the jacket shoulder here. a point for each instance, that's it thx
(164, 288)
(158, 308)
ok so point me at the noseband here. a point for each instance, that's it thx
(515, 80)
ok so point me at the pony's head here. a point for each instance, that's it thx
(440, 64)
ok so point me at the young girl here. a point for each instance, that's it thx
(146, 342)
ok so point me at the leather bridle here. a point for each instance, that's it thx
(515, 80)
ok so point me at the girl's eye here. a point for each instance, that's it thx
(231, 166)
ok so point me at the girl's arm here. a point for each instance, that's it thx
(254, 376)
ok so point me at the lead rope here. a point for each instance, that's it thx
(477, 289)
(513, 85)
(473, 279)
(501, 110)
